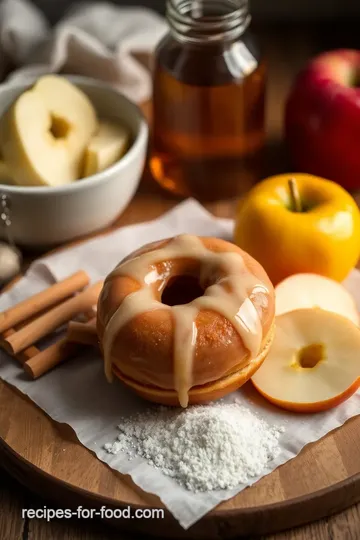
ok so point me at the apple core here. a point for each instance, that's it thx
(59, 128)
(308, 357)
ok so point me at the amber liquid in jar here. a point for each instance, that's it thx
(208, 115)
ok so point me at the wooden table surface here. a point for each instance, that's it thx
(287, 49)
(13, 498)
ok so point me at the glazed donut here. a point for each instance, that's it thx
(185, 320)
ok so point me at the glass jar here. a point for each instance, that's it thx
(208, 101)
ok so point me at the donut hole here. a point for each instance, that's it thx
(181, 290)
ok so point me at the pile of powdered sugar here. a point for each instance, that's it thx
(203, 448)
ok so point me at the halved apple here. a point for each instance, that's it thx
(313, 363)
(45, 132)
(106, 147)
(311, 290)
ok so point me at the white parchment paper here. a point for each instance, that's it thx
(76, 393)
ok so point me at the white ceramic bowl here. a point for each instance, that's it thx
(46, 216)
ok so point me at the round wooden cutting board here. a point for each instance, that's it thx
(46, 457)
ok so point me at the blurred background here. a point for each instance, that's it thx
(290, 31)
(263, 10)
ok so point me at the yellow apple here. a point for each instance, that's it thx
(307, 225)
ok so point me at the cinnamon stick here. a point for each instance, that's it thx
(53, 319)
(47, 359)
(83, 333)
(42, 300)
(25, 355)
(56, 354)
(86, 317)
(32, 351)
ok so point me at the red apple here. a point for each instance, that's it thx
(322, 118)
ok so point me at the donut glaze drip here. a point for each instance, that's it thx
(228, 288)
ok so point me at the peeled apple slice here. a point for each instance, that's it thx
(45, 132)
(107, 146)
(313, 363)
(311, 290)
(73, 113)
(35, 156)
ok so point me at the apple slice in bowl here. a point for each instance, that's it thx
(47, 215)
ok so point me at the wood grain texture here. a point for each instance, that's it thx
(74, 530)
(12, 525)
(14, 497)
(323, 479)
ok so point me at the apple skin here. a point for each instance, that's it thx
(324, 239)
(322, 118)
(307, 408)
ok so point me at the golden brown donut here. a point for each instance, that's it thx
(139, 317)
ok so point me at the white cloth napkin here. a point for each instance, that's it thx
(99, 40)
(64, 393)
